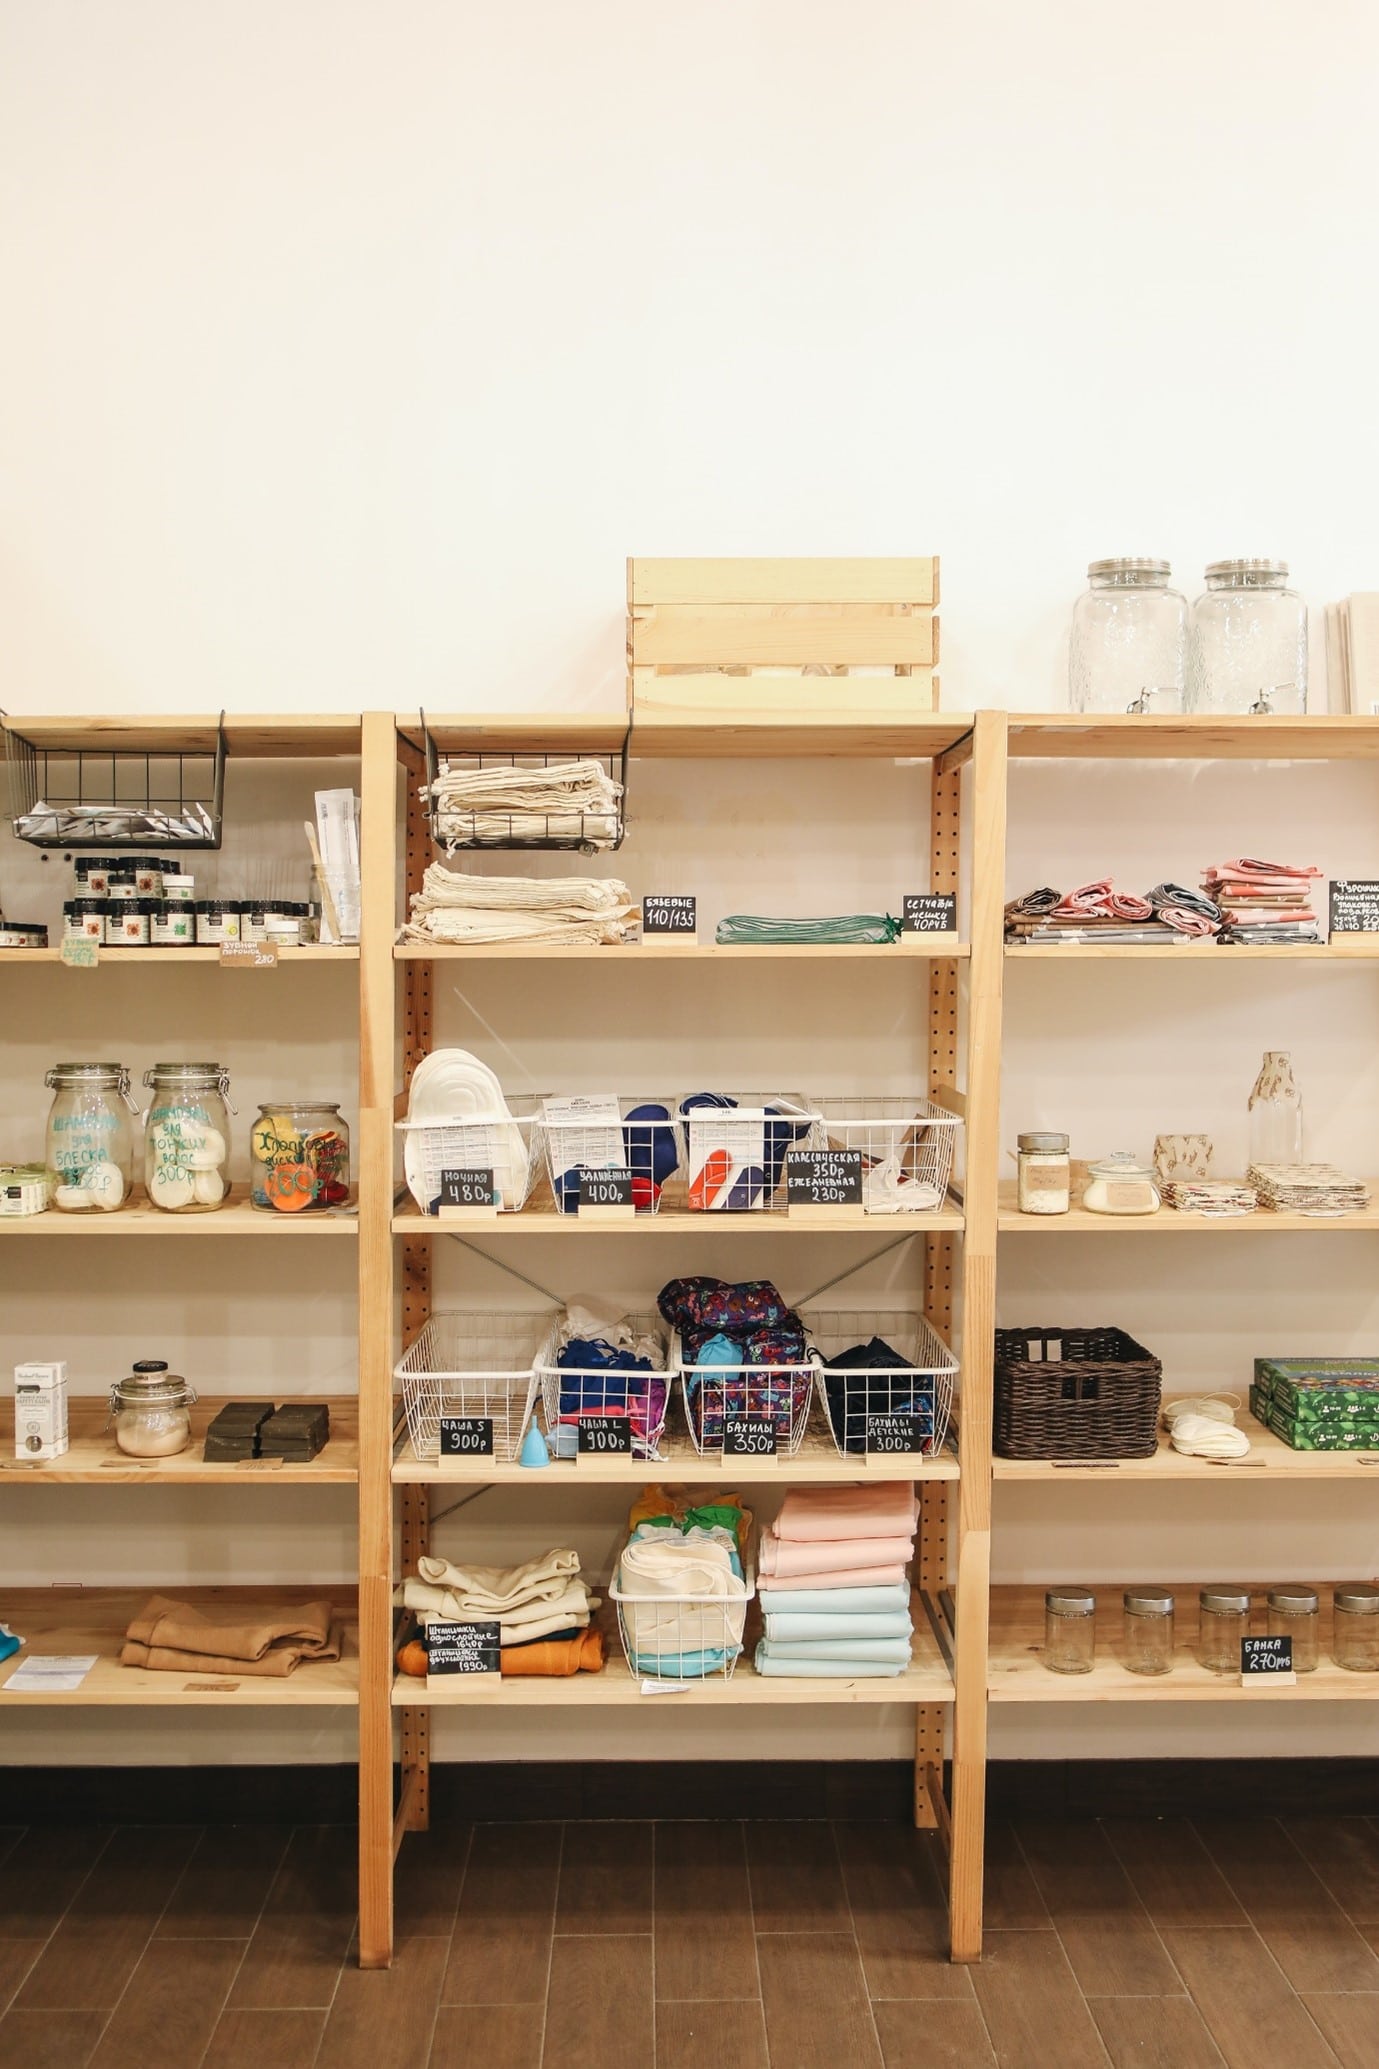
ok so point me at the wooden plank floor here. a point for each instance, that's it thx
(1117, 1944)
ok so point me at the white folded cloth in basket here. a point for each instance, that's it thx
(693, 1572)
(575, 800)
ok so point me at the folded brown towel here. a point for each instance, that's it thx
(229, 1637)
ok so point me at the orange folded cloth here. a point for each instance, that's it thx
(555, 1656)
(887, 1509)
(229, 1637)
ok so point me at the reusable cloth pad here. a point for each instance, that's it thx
(885, 1509)
(885, 1650)
(454, 1085)
(894, 1623)
(769, 1663)
(836, 1602)
(229, 1637)
(838, 1555)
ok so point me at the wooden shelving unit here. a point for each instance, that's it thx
(94, 1459)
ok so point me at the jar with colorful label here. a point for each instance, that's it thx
(299, 1158)
(173, 924)
(90, 1139)
(187, 1137)
(83, 919)
(132, 924)
(217, 920)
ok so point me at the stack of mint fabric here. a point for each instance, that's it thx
(833, 1583)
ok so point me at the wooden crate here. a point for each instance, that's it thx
(846, 639)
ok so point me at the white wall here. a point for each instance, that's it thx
(349, 348)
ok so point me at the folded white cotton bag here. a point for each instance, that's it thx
(499, 1588)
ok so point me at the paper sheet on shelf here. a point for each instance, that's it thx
(51, 1673)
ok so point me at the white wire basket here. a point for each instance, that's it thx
(681, 1637)
(907, 1146)
(570, 1393)
(472, 1364)
(735, 1156)
(922, 1386)
(778, 1394)
(505, 1145)
(646, 1138)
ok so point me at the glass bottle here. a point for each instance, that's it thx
(1129, 639)
(90, 1141)
(1069, 1630)
(1148, 1631)
(187, 1137)
(1276, 1112)
(1294, 1613)
(1247, 648)
(150, 1411)
(1223, 1619)
(1044, 1174)
(299, 1157)
(1355, 1628)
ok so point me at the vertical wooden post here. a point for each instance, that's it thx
(979, 1321)
(416, 1278)
(378, 842)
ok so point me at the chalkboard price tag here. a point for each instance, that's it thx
(749, 1436)
(1267, 1660)
(888, 1436)
(823, 1178)
(605, 1436)
(466, 1194)
(1355, 906)
(670, 916)
(466, 1436)
(606, 1195)
(470, 1649)
(929, 912)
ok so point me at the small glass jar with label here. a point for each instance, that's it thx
(93, 872)
(1294, 1612)
(179, 888)
(1069, 1630)
(217, 920)
(149, 1411)
(90, 1139)
(1355, 1628)
(187, 1137)
(122, 883)
(83, 918)
(132, 922)
(1044, 1174)
(1148, 1641)
(1120, 1184)
(148, 875)
(1223, 1619)
(173, 924)
(299, 1158)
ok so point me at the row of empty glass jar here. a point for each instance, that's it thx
(1136, 646)
(1223, 1619)
(299, 1151)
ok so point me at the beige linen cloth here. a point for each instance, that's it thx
(528, 1601)
(229, 1637)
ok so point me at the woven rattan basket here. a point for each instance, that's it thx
(1075, 1393)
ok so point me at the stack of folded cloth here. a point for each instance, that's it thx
(574, 804)
(1319, 1404)
(1263, 902)
(1218, 1196)
(607, 1368)
(1098, 912)
(569, 911)
(744, 1352)
(543, 1604)
(861, 1382)
(835, 1597)
(230, 1638)
(682, 1586)
(1318, 1189)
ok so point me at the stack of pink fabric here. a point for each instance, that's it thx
(840, 1537)
(1263, 902)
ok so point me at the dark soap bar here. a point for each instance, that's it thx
(298, 1431)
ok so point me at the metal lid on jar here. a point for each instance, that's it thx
(1121, 1163)
(1358, 1599)
(1246, 570)
(1043, 1144)
(166, 1073)
(1294, 1601)
(1225, 1601)
(1127, 566)
(151, 1385)
(87, 1074)
(1149, 1601)
(1071, 1601)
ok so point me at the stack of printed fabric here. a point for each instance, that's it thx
(744, 1352)
(682, 1589)
(542, 1609)
(1264, 903)
(1318, 1189)
(565, 911)
(833, 1581)
(1099, 912)
(1319, 1404)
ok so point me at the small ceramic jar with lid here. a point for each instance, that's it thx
(173, 924)
(1355, 1628)
(148, 876)
(1294, 1612)
(150, 1411)
(93, 874)
(178, 887)
(1044, 1168)
(1069, 1630)
(1148, 1631)
(122, 883)
(1121, 1184)
(217, 920)
(132, 926)
(83, 918)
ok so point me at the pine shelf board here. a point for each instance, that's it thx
(816, 1463)
(1169, 1221)
(94, 1620)
(138, 1218)
(302, 734)
(95, 1459)
(1362, 949)
(173, 958)
(536, 1219)
(709, 734)
(1198, 736)
(1268, 1461)
(1015, 1674)
(926, 1680)
(520, 732)
(678, 952)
